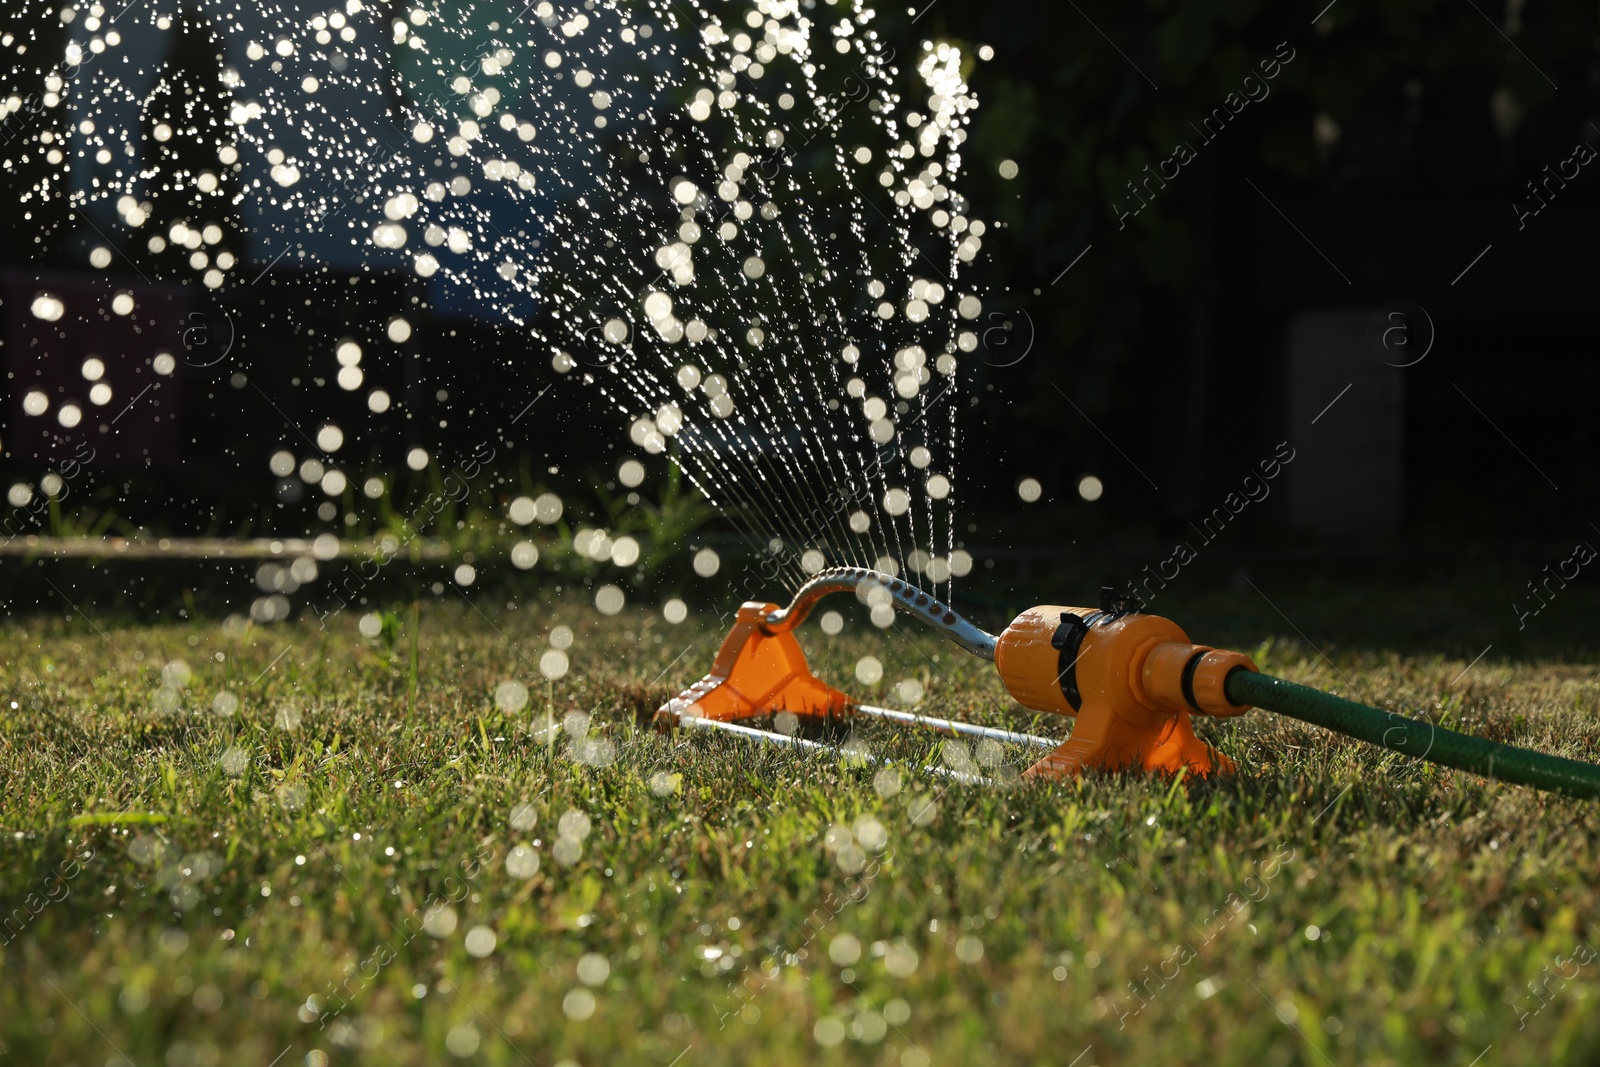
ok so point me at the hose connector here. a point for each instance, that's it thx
(1180, 675)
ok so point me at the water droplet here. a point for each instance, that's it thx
(578, 1005)
(439, 921)
(480, 942)
(522, 862)
(511, 696)
(593, 969)
(553, 664)
(330, 438)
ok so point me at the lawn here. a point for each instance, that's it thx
(255, 846)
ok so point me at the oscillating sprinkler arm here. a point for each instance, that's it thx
(907, 598)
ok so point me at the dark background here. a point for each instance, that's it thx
(1172, 335)
(1390, 152)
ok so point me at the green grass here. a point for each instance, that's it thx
(186, 880)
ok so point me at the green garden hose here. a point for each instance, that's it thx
(1414, 737)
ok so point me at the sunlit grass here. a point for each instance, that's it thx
(180, 881)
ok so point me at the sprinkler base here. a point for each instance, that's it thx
(1101, 742)
(757, 672)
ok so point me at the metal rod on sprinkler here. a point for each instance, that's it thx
(955, 726)
(788, 741)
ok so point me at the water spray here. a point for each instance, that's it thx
(1131, 681)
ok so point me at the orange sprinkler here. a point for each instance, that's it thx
(1131, 681)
